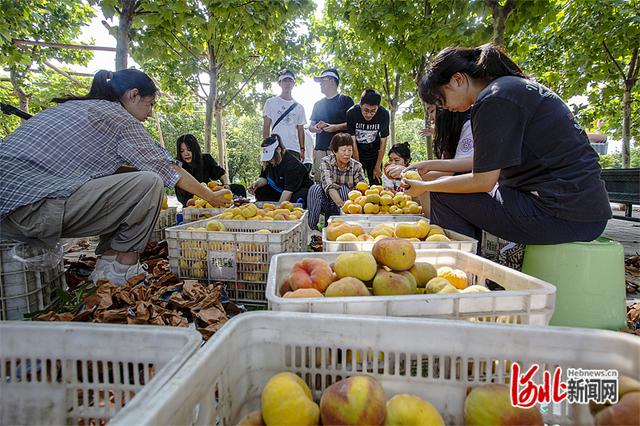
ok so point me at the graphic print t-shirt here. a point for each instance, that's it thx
(368, 133)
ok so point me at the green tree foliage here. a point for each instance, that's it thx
(231, 43)
(57, 21)
(42, 88)
(590, 48)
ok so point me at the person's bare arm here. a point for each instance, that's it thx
(190, 184)
(266, 127)
(467, 183)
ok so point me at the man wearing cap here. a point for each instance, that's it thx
(283, 176)
(285, 117)
(329, 116)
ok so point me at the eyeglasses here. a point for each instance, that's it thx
(369, 111)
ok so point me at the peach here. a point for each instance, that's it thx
(334, 230)
(387, 283)
(423, 272)
(357, 400)
(625, 412)
(396, 253)
(286, 400)
(311, 273)
(302, 293)
(254, 418)
(491, 405)
(360, 264)
(348, 286)
(411, 410)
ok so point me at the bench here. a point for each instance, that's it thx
(623, 186)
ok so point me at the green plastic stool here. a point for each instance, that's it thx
(589, 278)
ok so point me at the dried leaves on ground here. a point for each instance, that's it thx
(159, 299)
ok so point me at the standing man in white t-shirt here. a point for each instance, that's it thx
(285, 117)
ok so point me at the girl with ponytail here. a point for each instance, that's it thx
(526, 141)
(57, 174)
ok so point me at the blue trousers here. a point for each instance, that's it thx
(319, 203)
(510, 214)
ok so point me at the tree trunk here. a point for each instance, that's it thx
(393, 111)
(626, 125)
(428, 139)
(500, 15)
(122, 39)
(211, 98)
(221, 137)
(19, 92)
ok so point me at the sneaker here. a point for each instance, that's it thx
(119, 274)
(102, 264)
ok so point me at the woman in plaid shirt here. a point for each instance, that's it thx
(339, 174)
(57, 174)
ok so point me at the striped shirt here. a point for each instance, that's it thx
(331, 177)
(58, 150)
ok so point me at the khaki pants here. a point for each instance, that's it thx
(318, 155)
(122, 209)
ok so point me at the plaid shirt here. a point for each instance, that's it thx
(54, 153)
(331, 177)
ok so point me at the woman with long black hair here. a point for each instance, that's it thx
(453, 147)
(202, 167)
(527, 141)
(57, 174)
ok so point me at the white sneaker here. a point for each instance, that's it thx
(102, 264)
(119, 273)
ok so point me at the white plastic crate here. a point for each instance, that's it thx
(458, 242)
(23, 291)
(54, 373)
(191, 214)
(239, 256)
(434, 359)
(167, 218)
(527, 300)
(377, 218)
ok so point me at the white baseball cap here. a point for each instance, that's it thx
(269, 150)
(331, 72)
(286, 74)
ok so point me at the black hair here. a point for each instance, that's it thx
(486, 62)
(370, 97)
(112, 86)
(447, 130)
(402, 150)
(196, 166)
(340, 139)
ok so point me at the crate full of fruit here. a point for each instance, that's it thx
(378, 200)
(247, 211)
(235, 252)
(396, 280)
(355, 370)
(349, 235)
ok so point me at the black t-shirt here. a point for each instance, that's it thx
(289, 175)
(527, 131)
(210, 171)
(368, 133)
(332, 111)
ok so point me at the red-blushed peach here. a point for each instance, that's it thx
(311, 273)
(357, 400)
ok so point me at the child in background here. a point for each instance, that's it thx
(399, 155)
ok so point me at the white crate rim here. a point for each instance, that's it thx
(555, 337)
(277, 302)
(186, 342)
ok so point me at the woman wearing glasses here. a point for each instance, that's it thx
(527, 141)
